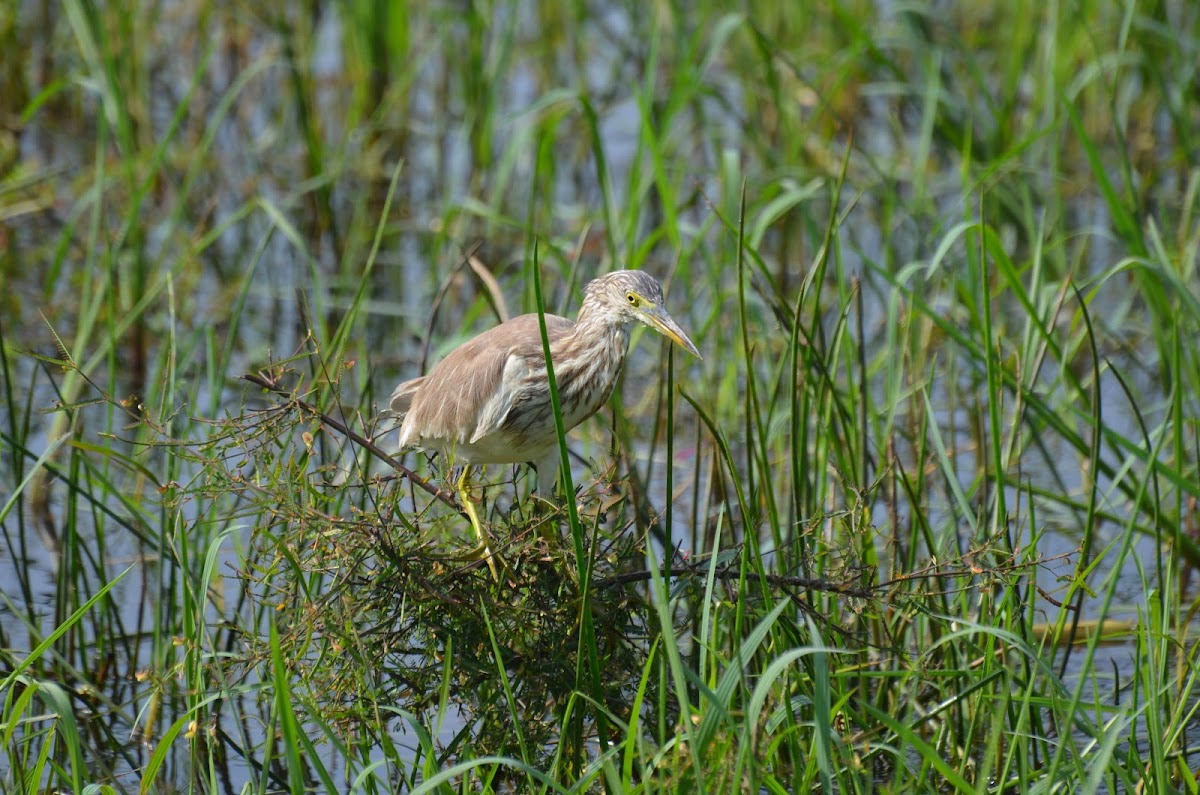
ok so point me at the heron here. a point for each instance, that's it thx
(488, 401)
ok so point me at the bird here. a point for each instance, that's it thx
(488, 401)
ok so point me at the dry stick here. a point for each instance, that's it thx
(362, 441)
(930, 573)
(727, 573)
(467, 259)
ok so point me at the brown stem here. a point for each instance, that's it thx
(361, 441)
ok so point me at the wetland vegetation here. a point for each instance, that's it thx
(923, 519)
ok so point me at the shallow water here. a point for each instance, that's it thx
(257, 155)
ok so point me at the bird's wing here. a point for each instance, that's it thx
(524, 358)
(469, 393)
(510, 386)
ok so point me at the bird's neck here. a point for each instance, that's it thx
(593, 327)
(595, 352)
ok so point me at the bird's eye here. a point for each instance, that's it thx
(631, 298)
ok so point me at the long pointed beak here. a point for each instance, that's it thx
(658, 319)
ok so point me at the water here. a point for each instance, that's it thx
(259, 161)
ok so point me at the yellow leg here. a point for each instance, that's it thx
(469, 507)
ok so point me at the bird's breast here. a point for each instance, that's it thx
(585, 372)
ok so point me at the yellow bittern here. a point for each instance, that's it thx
(488, 401)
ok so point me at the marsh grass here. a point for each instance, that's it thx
(923, 519)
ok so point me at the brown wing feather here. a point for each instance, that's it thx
(445, 408)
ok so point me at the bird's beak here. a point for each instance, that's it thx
(658, 319)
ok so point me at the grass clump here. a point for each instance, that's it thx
(923, 518)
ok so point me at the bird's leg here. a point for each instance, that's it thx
(473, 515)
(547, 475)
(547, 480)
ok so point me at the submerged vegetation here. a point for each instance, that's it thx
(922, 519)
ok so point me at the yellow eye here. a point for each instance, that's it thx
(631, 298)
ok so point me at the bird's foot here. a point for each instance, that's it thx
(484, 549)
(544, 515)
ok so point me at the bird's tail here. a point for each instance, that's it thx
(401, 400)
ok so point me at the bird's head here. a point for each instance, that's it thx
(630, 296)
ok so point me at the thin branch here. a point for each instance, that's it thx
(272, 386)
